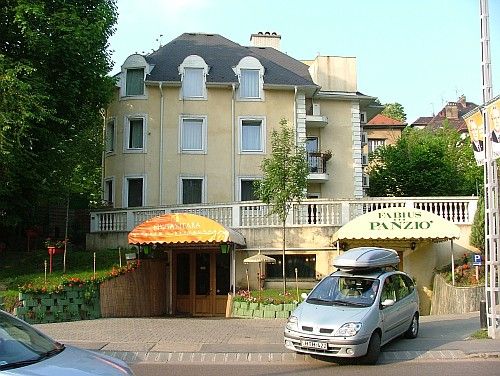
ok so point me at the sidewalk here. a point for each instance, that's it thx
(221, 340)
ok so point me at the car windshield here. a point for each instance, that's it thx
(21, 345)
(345, 290)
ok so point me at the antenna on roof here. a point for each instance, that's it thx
(432, 105)
(159, 40)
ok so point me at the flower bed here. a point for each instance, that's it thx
(72, 299)
(246, 305)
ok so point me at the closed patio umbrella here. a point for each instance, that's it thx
(258, 258)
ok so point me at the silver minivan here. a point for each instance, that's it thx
(352, 312)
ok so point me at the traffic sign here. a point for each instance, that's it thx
(477, 260)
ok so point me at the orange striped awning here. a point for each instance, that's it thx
(183, 228)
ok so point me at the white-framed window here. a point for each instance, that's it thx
(247, 190)
(132, 77)
(135, 133)
(252, 134)
(193, 134)
(362, 117)
(134, 191)
(134, 84)
(191, 190)
(250, 83)
(193, 72)
(374, 144)
(109, 192)
(110, 135)
(250, 74)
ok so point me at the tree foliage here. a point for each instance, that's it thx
(425, 163)
(394, 111)
(53, 82)
(477, 234)
(285, 172)
(285, 177)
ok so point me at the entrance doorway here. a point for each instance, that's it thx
(201, 282)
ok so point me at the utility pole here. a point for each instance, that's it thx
(491, 202)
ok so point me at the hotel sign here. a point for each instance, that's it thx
(398, 223)
(400, 220)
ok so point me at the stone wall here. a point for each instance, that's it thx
(448, 299)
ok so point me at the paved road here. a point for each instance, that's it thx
(220, 340)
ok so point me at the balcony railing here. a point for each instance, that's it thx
(310, 212)
(317, 162)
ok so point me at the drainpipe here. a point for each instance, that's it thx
(103, 113)
(233, 144)
(295, 114)
(160, 165)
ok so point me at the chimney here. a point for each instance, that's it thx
(266, 39)
(451, 110)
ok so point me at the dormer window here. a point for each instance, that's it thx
(135, 82)
(193, 71)
(249, 86)
(250, 74)
(132, 82)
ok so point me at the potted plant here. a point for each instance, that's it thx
(327, 155)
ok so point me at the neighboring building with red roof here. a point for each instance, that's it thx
(453, 112)
(382, 130)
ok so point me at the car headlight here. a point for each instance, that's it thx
(293, 323)
(348, 329)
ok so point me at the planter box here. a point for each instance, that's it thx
(269, 314)
(282, 314)
(275, 307)
(253, 306)
(47, 302)
(258, 313)
(243, 305)
(289, 306)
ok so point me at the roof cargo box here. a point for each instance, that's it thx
(366, 258)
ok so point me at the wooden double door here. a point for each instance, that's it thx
(201, 282)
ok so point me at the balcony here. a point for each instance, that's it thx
(317, 167)
(310, 212)
(314, 119)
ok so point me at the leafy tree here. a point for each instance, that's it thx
(53, 82)
(477, 235)
(285, 177)
(425, 163)
(394, 111)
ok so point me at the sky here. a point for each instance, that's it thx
(420, 53)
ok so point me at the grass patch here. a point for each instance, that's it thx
(480, 334)
(20, 268)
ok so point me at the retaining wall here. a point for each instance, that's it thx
(71, 304)
(448, 299)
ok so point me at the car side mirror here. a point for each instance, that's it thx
(303, 296)
(388, 303)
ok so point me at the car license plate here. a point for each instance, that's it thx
(314, 345)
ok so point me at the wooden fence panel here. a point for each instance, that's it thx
(141, 293)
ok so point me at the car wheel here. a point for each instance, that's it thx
(412, 331)
(373, 352)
